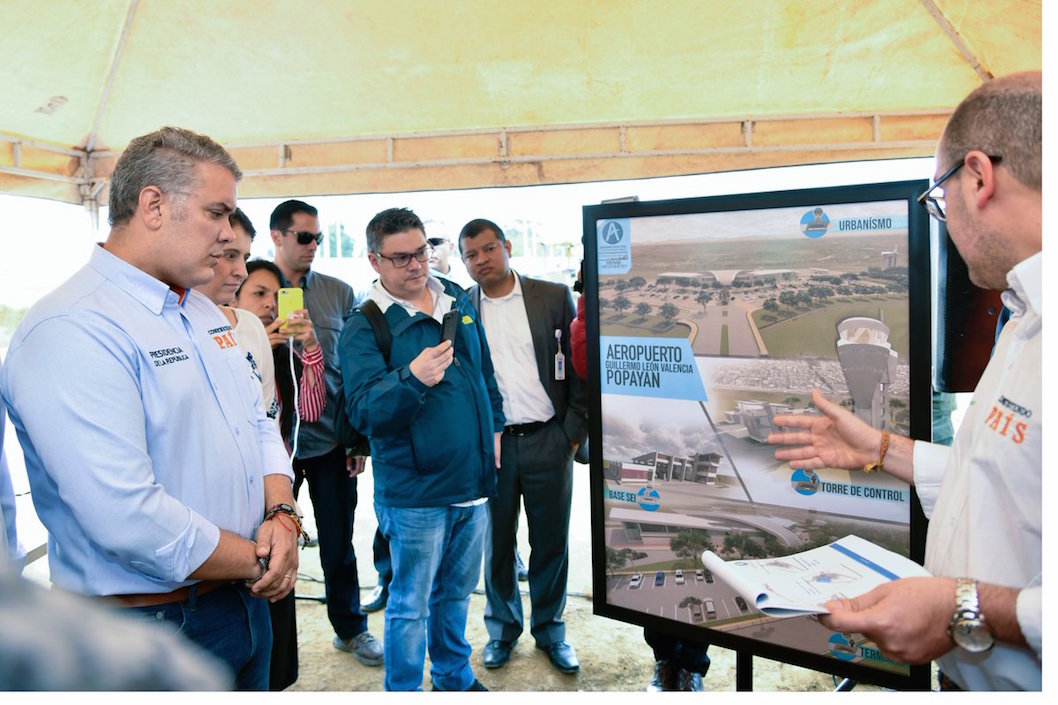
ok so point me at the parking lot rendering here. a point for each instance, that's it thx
(665, 599)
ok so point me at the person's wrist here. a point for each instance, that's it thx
(259, 566)
(876, 459)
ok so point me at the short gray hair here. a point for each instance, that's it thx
(1003, 118)
(165, 158)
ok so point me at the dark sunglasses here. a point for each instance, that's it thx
(305, 237)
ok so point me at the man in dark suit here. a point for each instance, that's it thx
(527, 326)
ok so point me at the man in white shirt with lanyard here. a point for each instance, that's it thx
(527, 325)
(981, 615)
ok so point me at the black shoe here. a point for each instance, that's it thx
(523, 572)
(377, 600)
(562, 656)
(474, 687)
(665, 677)
(497, 653)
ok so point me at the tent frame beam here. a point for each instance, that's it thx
(876, 134)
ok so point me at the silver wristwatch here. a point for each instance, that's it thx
(967, 627)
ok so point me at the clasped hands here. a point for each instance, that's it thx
(277, 543)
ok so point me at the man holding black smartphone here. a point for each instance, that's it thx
(320, 459)
(434, 415)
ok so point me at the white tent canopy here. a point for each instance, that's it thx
(351, 96)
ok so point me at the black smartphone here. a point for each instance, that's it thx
(448, 326)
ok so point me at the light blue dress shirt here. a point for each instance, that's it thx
(10, 548)
(143, 432)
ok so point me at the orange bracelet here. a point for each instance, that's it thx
(280, 518)
(871, 467)
(280, 510)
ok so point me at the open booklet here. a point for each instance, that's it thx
(802, 583)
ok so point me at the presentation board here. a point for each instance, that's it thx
(707, 318)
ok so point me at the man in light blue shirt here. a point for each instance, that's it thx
(162, 483)
(10, 548)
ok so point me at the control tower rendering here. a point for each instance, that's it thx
(869, 365)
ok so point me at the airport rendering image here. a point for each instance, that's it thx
(769, 318)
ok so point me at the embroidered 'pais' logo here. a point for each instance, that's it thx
(1011, 423)
(224, 337)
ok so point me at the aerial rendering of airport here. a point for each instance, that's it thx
(773, 304)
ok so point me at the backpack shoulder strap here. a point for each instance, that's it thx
(383, 338)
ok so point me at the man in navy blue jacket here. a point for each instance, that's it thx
(434, 415)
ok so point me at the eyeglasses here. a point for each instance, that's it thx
(935, 204)
(487, 251)
(435, 241)
(305, 237)
(402, 260)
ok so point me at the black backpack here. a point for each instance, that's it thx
(347, 436)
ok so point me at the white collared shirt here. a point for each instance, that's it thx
(514, 357)
(442, 302)
(983, 495)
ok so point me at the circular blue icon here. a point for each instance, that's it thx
(612, 233)
(815, 223)
(843, 646)
(805, 482)
(648, 498)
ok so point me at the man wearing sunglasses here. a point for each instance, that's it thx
(320, 459)
(441, 262)
(980, 615)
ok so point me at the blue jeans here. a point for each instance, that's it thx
(229, 623)
(436, 554)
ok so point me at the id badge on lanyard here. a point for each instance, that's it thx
(560, 358)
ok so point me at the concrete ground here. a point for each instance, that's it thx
(613, 655)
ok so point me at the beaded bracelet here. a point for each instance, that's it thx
(289, 511)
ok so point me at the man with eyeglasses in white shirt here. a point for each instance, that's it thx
(980, 617)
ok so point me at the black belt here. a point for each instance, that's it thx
(524, 429)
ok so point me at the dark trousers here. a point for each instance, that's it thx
(333, 495)
(284, 670)
(537, 470)
(382, 560)
(689, 655)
